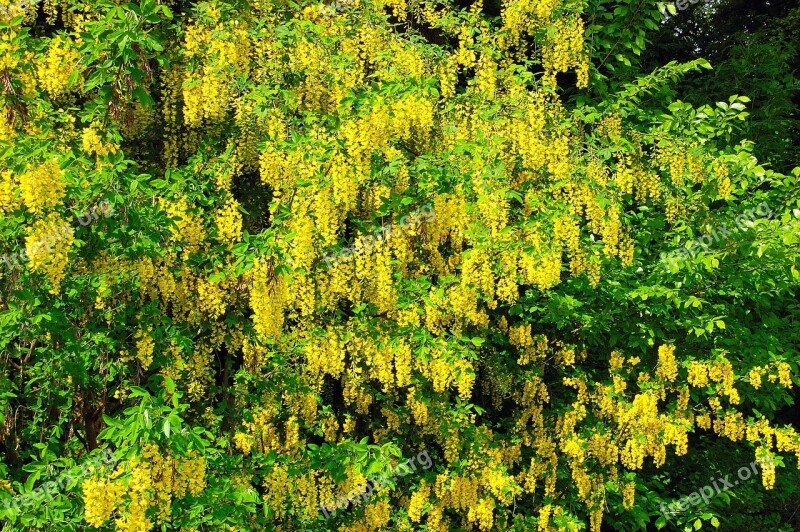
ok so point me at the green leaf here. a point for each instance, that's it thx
(144, 98)
(219, 276)
(138, 391)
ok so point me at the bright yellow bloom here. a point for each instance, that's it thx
(57, 66)
(667, 366)
(47, 245)
(42, 186)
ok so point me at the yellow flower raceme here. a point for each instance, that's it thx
(92, 142)
(268, 298)
(150, 480)
(8, 185)
(101, 497)
(47, 245)
(42, 186)
(667, 366)
(567, 51)
(57, 67)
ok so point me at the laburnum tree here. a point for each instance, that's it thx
(231, 328)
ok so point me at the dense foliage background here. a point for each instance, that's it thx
(257, 255)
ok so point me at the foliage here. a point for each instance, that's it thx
(753, 48)
(526, 334)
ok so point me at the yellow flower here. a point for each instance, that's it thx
(628, 495)
(784, 374)
(188, 225)
(698, 374)
(754, 377)
(482, 513)
(667, 367)
(47, 245)
(55, 68)
(229, 222)
(417, 503)
(42, 186)
(377, 514)
(8, 184)
(566, 50)
(144, 347)
(92, 143)
(211, 297)
(101, 497)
